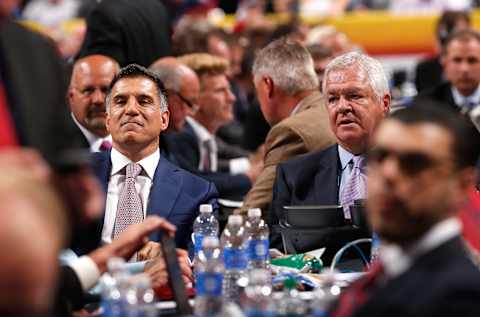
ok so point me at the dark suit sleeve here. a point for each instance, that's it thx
(70, 294)
(281, 197)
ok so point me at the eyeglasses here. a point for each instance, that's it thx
(411, 163)
(189, 103)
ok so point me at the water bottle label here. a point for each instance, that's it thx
(209, 284)
(258, 313)
(235, 259)
(198, 242)
(258, 250)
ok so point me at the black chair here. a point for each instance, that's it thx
(305, 228)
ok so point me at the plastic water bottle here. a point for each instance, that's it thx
(258, 294)
(375, 249)
(205, 225)
(144, 296)
(112, 288)
(210, 270)
(235, 257)
(257, 240)
(324, 296)
(289, 304)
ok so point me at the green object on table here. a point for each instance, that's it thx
(290, 283)
(299, 261)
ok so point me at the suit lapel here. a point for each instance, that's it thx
(327, 177)
(102, 166)
(165, 189)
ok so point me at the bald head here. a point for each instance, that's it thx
(90, 79)
(182, 86)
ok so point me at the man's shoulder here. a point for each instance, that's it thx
(310, 159)
(189, 180)
(437, 93)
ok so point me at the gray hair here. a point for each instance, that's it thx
(372, 68)
(289, 64)
(132, 71)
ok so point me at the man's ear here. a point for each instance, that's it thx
(270, 86)
(387, 100)
(107, 122)
(165, 120)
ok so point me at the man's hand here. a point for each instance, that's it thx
(149, 251)
(157, 269)
(129, 241)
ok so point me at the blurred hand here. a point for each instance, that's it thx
(130, 240)
(149, 251)
(157, 269)
(255, 170)
(82, 193)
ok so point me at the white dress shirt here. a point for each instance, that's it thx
(143, 185)
(461, 100)
(94, 140)
(397, 260)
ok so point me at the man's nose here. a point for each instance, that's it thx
(344, 105)
(98, 97)
(131, 107)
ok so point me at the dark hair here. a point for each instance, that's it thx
(135, 70)
(466, 139)
(448, 22)
(462, 35)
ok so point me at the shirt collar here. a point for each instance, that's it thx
(397, 260)
(202, 133)
(460, 100)
(91, 138)
(297, 107)
(345, 156)
(149, 163)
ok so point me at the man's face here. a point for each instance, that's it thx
(354, 110)
(182, 104)
(412, 180)
(134, 115)
(216, 99)
(90, 80)
(462, 65)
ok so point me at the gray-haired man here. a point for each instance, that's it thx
(288, 91)
(357, 99)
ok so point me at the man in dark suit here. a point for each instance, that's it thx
(461, 63)
(136, 115)
(357, 98)
(128, 31)
(416, 184)
(197, 148)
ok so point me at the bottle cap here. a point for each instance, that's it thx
(115, 265)
(235, 220)
(210, 242)
(206, 208)
(254, 213)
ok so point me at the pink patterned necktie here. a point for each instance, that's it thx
(105, 146)
(129, 208)
(355, 187)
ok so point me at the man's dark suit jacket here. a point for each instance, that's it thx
(175, 195)
(187, 153)
(128, 31)
(310, 179)
(442, 282)
(440, 95)
(428, 74)
(36, 88)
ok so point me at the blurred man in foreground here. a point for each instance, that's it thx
(416, 183)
